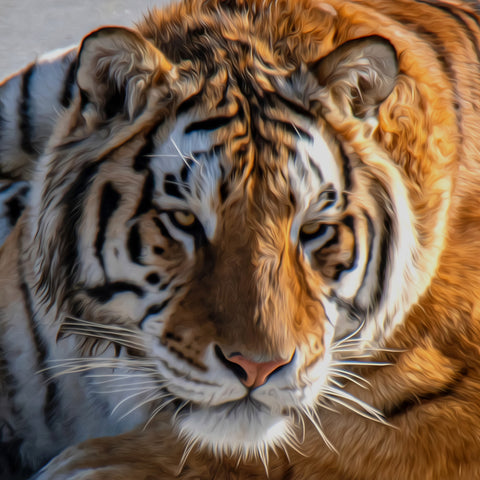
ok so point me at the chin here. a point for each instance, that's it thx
(244, 429)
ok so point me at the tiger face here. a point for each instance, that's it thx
(230, 225)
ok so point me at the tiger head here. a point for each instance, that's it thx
(229, 205)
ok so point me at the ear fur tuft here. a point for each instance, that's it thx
(360, 72)
(116, 66)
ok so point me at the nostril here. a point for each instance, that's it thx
(251, 373)
(234, 367)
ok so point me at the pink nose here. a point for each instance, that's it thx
(256, 373)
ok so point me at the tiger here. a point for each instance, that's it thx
(245, 245)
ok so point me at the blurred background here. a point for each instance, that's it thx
(29, 28)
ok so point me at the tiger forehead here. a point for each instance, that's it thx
(248, 120)
(264, 162)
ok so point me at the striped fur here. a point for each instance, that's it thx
(248, 246)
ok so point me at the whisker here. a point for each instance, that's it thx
(180, 408)
(313, 417)
(264, 457)
(190, 444)
(291, 439)
(364, 409)
(141, 404)
(351, 376)
(107, 338)
(335, 382)
(360, 363)
(118, 377)
(351, 335)
(158, 410)
(133, 395)
(130, 388)
(182, 155)
(79, 365)
(69, 319)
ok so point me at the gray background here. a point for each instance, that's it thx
(29, 28)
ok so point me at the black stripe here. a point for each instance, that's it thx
(24, 114)
(69, 85)
(405, 405)
(14, 209)
(449, 10)
(189, 103)
(3, 122)
(164, 231)
(154, 310)
(51, 403)
(294, 130)
(347, 170)
(142, 159)
(9, 185)
(67, 245)
(170, 185)
(385, 245)
(104, 293)
(185, 171)
(209, 124)
(295, 107)
(371, 239)
(108, 205)
(349, 222)
(134, 245)
(145, 204)
(316, 169)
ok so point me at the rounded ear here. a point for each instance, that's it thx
(360, 72)
(116, 66)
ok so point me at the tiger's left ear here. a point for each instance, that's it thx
(116, 66)
(360, 74)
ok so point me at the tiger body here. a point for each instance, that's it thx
(250, 232)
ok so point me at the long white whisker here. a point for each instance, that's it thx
(75, 321)
(264, 458)
(291, 440)
(120, 376)
(360, 363)
(352, 377)
(133, 395)
(364, 409)
(79, 365)
(336, 382)
(127, 389)
(179, 409)
(351, 335)
(133, 382)
(141, 404)
(313, 417)
(186, 452)
(107, 338)
(182, 155)
(158, 410)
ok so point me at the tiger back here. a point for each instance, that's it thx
(250, 233)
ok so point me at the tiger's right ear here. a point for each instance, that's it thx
(116, 66)
(360, 74)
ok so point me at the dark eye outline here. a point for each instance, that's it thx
(184, 218)
(306, 236)
(194, 228)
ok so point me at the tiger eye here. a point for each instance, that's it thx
(186, 219)
(310, 228)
